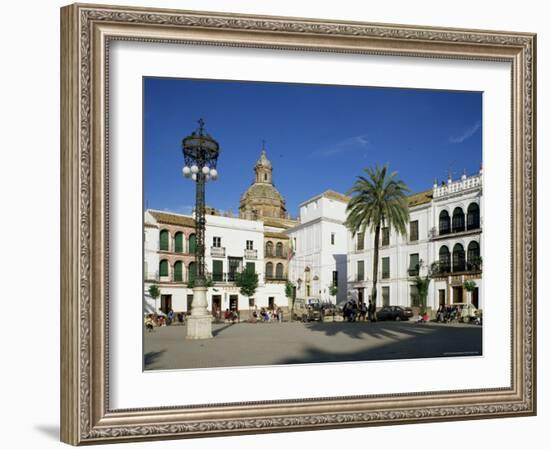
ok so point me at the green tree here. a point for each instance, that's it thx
(333, 290)
(289, 292)
(378, 199)
(247, 281)
(422, 284)
(154, 291)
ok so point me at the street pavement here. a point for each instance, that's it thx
(252, 344)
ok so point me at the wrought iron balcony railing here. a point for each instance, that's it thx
(250, 254)
(217, 251)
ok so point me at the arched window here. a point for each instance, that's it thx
(178, 271)
(269, 249)
(192, 244)
(279, 271)
(459, 258)
(474, 261)
(473, 216)
(178, 240)
(164, 240)
(444, 259)
(191, 271)
(279, 249)
(269, 270)
(444, 222)
(458, 220)
(163, 268)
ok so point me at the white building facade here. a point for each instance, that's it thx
(231, 246)
(444, 236)
(320, 247)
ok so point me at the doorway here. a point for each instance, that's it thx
(457, 295)
(441, 296)
(234, 303)
(475, 297)
(216, 305)
(271, 303)
(360, 295)
(166, 303)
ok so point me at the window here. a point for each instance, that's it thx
(332, 238)
(385, 267)
(250, 244)
(217, 242)
(385, 236)
(335, 278)
(217, 270)
(413, 231)
(444, 259)
(444, 223)
(473, 216)
(191, 271)
(385, 296)
(360, 270)
(459, 258)
(269, 270)
(164, 240)
(163, 268)
(192, 244)
(279, 249)
(474, 259)
(178, 271)
(414, 264)
(360, 241)
(279, 271)
(179, 242)
(458, 220)
(250, 267)
(415, 297)
(269, 249)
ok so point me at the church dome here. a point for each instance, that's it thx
(262, 199)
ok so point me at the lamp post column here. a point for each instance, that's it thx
(201, 153)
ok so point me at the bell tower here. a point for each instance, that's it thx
(263, 169)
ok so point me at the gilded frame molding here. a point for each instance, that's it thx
(86, 31)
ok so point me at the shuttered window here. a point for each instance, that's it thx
(385, 267)
(164, 240)
(178, 271)
(192, 244)
(163, 268)
(179, 242)
(250, 267)
(217, 270)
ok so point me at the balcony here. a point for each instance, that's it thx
(217, 251)
(437, 234)
(276, 254)
(251, 254)
(276, 278)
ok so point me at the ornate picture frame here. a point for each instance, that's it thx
(87, 32)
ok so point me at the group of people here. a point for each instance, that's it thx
(266, 315)
(352, 311)
(160, 319)
(447, 314)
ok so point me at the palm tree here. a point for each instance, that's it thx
(378, 200)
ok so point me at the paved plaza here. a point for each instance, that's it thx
(248, 344)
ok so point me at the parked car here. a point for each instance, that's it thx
(307, 312)
(331, 312)
(468, 312)
(395, 313)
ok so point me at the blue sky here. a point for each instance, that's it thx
(318, 137)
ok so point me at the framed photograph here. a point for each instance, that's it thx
(281, 224)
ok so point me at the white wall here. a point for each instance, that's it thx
(29, 107)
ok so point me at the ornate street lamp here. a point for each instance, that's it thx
(201, 152)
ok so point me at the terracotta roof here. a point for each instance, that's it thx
(173, 219)
(416, 199)
(276, 235)
(331, 194)
(278, 222)
(150, 225)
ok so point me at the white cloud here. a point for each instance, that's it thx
(468, 132)
(345, 145)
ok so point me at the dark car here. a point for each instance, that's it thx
(394, 313)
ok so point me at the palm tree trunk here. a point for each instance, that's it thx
(375, 264)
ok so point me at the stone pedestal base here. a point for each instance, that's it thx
(199, 327)
(199, 324)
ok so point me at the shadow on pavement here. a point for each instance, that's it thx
(151, 357)
(378, 330)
